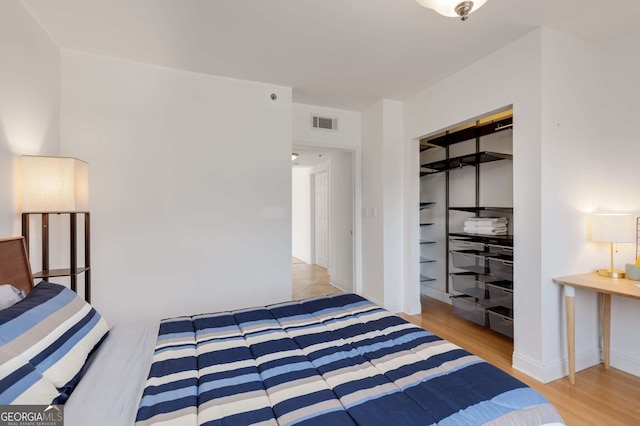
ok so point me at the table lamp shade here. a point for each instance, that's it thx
(54, 184)
(613, 228)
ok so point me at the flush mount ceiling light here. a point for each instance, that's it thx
(294, 156)
(453, 8)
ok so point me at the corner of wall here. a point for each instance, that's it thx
(546, 373)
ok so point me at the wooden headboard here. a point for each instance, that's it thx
(14, 264)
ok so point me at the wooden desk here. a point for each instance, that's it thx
(604, 286)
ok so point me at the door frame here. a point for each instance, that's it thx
(357, 204)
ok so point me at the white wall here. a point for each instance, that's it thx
(563, 171)
(382, 203)
(301, 213)
(29, 103)
(392, 166)
(510, 76)
(569, 136)
(616, 174)
(341, 220)
(372, 199)
(190, 186)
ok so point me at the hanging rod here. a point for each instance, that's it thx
(506, 126)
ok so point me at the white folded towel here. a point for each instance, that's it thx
(480, 221)
(486, 230)
(485, 222)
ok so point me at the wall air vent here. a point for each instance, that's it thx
(324, 123)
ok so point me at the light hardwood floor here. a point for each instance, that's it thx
(309, 280)
(599, 397)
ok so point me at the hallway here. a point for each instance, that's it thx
(309, 280)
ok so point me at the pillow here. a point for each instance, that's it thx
(21, 383)
(56, 331)
(9, 295)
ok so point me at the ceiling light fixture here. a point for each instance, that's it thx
(294, 156)
(453, 8)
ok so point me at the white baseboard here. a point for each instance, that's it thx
(626, 363)
(346, 287)
(394, 308)
(303, 258)
(372, 299)
(412, 307)
(555, 370)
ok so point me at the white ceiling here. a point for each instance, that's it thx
(309, 157)
(337, 53)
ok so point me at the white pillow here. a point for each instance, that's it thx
(9, 296)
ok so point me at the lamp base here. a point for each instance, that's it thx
(611, 273)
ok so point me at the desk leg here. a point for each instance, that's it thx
(569, 300)
(606, 329)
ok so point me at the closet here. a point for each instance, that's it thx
(466, 219)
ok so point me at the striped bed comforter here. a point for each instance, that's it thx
(336, 360)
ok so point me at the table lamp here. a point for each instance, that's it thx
(54, 184)
(612, 228)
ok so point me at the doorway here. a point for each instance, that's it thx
(323, 220)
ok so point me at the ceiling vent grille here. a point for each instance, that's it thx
(324, 123)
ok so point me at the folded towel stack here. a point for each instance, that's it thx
(486, 225)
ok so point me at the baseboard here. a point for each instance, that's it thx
(304, 259)
(626, 363)
(528, 366)
(346, 287)
(555, 370)
(394, 307)
(412, 307)
(372, 299)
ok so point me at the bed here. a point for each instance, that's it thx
(335, 360)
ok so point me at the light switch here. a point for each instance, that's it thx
(374, 212)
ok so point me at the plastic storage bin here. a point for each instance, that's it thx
(501, 293)
(467, 307)
(465, 244)
(500, 320)
(499, 249)
(470, 260)
(473, 284)
(501, 267)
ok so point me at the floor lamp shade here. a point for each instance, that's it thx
(54, 184)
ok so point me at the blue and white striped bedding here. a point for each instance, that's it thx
(45, 340)
(336, 360)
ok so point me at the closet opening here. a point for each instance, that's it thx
(466, 220)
